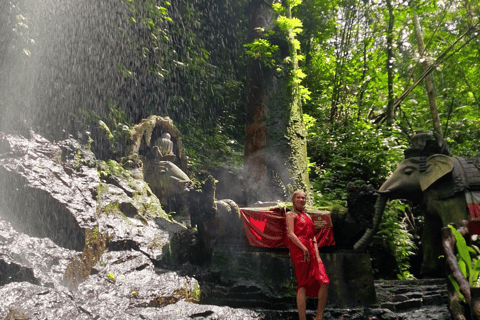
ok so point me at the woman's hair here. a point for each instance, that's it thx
(298, 192)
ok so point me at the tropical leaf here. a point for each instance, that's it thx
(457, 288)
(463, 253)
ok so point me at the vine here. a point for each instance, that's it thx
(292, 26)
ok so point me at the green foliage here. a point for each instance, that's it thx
(186, 60)
(196, 292)
(279, 9)
(210, 147)
(189, 58)
(309, 123)
(395, 238)
(352, 152)
(292, 27)
(263, 50)
(191, 296)
(470, 266)
(290, 24)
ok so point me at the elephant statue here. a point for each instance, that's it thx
(164, 177)
(429, 176)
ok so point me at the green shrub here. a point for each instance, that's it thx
(394, 237)
(345, 153)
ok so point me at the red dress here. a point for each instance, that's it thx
(310, 275)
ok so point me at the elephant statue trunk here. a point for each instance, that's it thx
(363, 242)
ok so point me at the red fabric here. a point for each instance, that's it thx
(268, 229)
(473, 203)
(474, 209)
(310, 274)
(264, 228)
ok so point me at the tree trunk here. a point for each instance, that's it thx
(260, 16)
(296, 131)
(275, 158)
(391, 20)
(428, 79)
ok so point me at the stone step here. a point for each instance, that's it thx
(396, 300)
(398, 295)
(428, 313)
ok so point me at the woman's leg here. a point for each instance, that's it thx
(302, 304)
(322, 301)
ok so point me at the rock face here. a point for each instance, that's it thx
(45, 197)
(79, 239)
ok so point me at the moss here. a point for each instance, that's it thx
(141, 219)
(153, 208)
(144, 200)
(77, 160)
(196, 292)
(80, 267)
(58, 158)
(111, 139)
(95, 233)
(16, 314)
(101, 189)
(112, 207)
(127, 221)
(113, 168)
(157, 243)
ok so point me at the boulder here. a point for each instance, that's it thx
(38, 261)
(46, 195)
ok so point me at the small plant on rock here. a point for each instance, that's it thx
(111, 277)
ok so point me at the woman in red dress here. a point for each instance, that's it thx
(312, 279)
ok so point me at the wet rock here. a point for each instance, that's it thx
(14, 272)
(184, 311)
(128, 209)
(38, 302)
(53, 190)
(184, 248)
(4, 147)
(44, 196)
(35, 260)
(434, 299)
(129, 233)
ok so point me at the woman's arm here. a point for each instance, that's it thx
(290, 219)
(316, 250)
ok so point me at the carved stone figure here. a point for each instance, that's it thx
(162, 169)
(164, 177)
(440, 182)
(147, 128)
(164, 147)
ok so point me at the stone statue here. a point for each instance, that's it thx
(164, 146)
